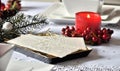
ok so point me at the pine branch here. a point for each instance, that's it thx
(22, 24)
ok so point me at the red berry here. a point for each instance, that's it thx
(99, 32)
(87, 37)
(67, 27)
(111, 32)
(88, 29)
(104, 31)
(68, 32)
(2, 6)
(72, 28)
(94, 39)
(63, 29)
(65, 34)
(85, 32)
(108, 29)
(106, 37)
(99, 36)
(73, 35)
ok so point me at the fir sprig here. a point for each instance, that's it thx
(22, 24)
(25, 23)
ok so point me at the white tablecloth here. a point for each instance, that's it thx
(104, 57)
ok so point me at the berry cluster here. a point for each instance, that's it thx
(90, 37)
(70, 32)
(10, 9)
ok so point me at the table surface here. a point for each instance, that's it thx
(103, 57)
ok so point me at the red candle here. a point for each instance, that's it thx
(87, 19)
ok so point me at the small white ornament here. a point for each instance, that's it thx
(7, 26)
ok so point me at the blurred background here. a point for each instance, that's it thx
(46, 0)
(115, 2)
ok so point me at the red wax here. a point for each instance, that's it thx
(87, 19)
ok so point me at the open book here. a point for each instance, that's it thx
(58, 46)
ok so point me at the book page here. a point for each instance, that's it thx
(58, 46)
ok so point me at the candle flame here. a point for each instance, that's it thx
(88, 16)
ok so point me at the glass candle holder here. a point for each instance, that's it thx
(87, 19)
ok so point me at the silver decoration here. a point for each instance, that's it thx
(7, 26)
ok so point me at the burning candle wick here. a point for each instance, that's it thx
(88, 16)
